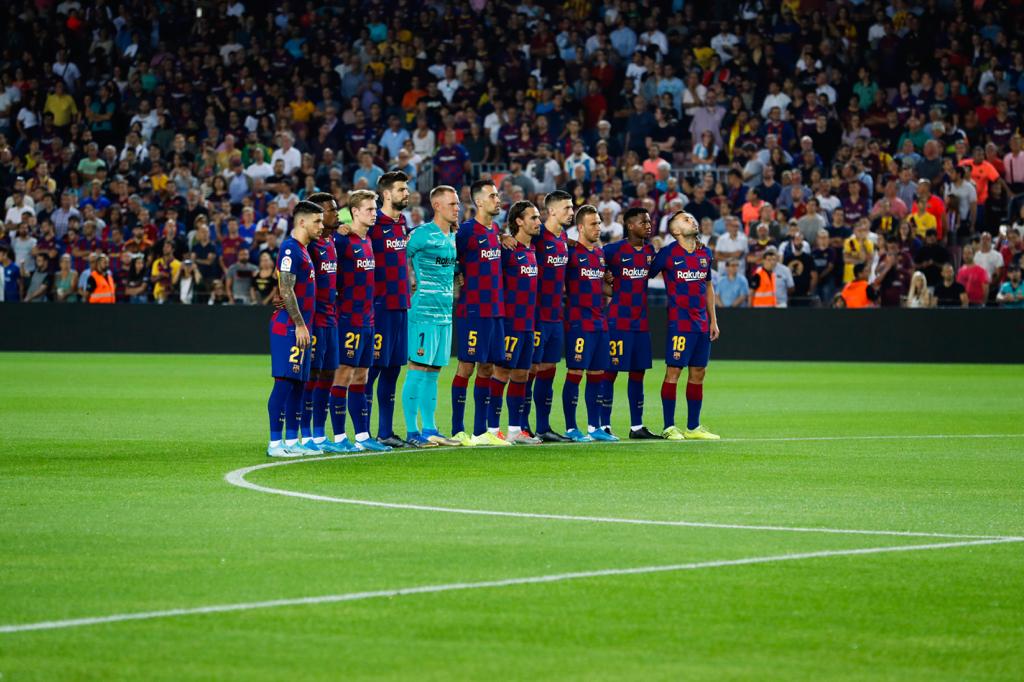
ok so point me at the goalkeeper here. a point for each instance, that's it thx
(432, 258)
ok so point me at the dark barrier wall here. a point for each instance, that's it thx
(883, 335)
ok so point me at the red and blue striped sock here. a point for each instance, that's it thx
(668, 403)
(459, 385)
(694, 399)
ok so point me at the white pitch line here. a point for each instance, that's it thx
(237, 478)
(508, 582)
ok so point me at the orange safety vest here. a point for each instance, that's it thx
(764, 294)
(855, 294)
(105, 292)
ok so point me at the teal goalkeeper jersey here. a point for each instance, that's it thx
(432, 256)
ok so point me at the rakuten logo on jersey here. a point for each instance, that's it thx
(592, 273)
(365, 264)
(557, 261)
(528, 270)
(395, 244)
(634, 273)
(440, 260)
(691, 275)
(490, 254)
(329, 268)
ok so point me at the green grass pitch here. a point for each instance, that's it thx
(113, 500)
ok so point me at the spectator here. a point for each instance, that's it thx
(218, 296)
(948, 292)
(189, 281)
(164, 274)
(12, 280)
(65, 284)
(265, 280)
(857, 250)
(239, 280)
(40, 281)
(974, 278)
(827, 267)
(732, 289)
(772, 283)
(1011, 293)
(918, 295)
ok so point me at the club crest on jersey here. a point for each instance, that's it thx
(296, 368)
(703, 262)
(615, 361)
(676, 356)
(351, 353)
(579, 357)
(420, 352)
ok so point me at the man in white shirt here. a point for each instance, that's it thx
(1013, 163)
(544, 170)
(578, 158)
(724, 42)
(259, 169)
(732, 244)
(145, 117)
(62, 68)
(653, 37)
(989, 258)
(290, 155)
(775, 98)
(449, 84)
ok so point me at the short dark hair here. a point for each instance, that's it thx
(388, 180)
(478, 187)
(306, 208)
(858, 268)
(515, 212)
(583, 211)
(633, 213)
(557, 195)
(321, 198)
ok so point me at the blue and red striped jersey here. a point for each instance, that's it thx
(686, 283)
(293, 258)
(584, 282)
(520, 267)
(389, 237)
(629, 266)
(356, 283)
(479, 248)
(325, 265)
(552, 256)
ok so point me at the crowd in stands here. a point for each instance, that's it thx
(835, 153)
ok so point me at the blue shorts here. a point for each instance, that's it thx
(482, 339)
(431, 344)
(548, 342)
(356, 344)
(687, 349)
(587, 350)
(518, 350)
(390, 338)
(324, 349)
(630, 351)
(287, 360)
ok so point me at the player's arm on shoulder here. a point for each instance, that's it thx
(286, 285)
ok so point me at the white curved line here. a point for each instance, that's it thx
(237, 478)
(451, 587)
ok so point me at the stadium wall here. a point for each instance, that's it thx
(883, 335)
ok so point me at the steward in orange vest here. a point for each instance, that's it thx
(101, 283)
(762, 282)
(859, 293)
